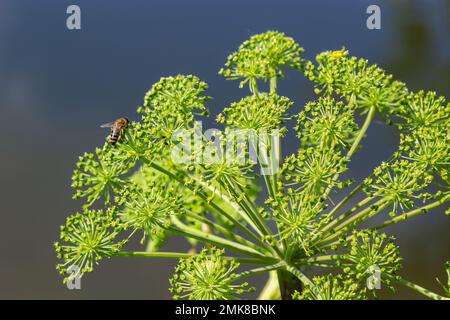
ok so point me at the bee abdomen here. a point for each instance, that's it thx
(114, 137)
(113, 140)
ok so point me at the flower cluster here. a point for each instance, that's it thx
(354, 79)
(298, 219)
(87, 238)
(148, 178)
(207, 276)
(136, 145)
(225, 157)
(150, 208)
(98, 175)
(256, 112)
(263, 57)
(327, 123)
(369, 252)
(423, 109)
(313, 170)
(226, 175)
(398, 183)
(446, 286)
(429, 147)
(424, 121)
(330, 287)
(335, 72)
(170, 106)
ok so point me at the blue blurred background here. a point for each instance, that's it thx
(57, 86)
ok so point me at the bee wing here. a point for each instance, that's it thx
(107, 125)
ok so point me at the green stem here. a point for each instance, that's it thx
(274, 161)
(272, 181)
(271, 290)
(253, 86)
(362, 132)
(262, 158)
(413, 213)
(355, 144)
(354, 220)
(417, 288)
(338, 207)
(268, 178)
(330, 245)
(252, 272)
(300, 275)
(215, 240)
(147, 254)
(309, 261)
(178, 255)
(269, 185)
(273, 84)
(249, 207)
(230, 202)
(344, 201)
(345, 215)
(210, 204)
(223, 230)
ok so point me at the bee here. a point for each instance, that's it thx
(117, 128)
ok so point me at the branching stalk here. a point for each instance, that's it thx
(413, 213)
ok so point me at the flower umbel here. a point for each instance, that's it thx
(331, 287)
(87, 238)
(207, 276)
(171, 104)
(368, 250)
(427, 146)
(423, 109)
(327, 123)
(263, 57)
(98, 175)
(149, 208)
(258, 112)
(399, 183)
(362, 85)
(298, 219)
(312, 170)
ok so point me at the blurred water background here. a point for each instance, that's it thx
(57, 86)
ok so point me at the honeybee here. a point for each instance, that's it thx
(117, 128)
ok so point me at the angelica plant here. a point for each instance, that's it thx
(167, 177)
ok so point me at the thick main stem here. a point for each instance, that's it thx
(271, 290)
(288, 283)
